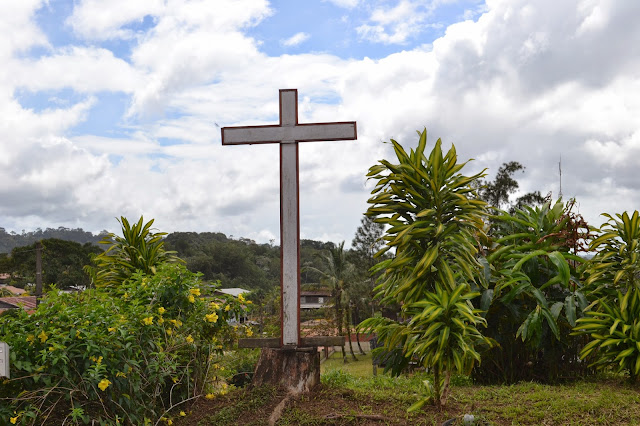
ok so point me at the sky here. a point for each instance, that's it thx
(114, 108)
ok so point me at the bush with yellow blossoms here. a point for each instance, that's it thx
(124, 354)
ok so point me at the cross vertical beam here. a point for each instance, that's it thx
(288, 133)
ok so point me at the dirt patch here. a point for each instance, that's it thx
(323, 406)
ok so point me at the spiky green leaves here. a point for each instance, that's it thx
(614, 329)
(434, 221)
(535, 274)
(613, 322)
(139, 249)
(433, 224)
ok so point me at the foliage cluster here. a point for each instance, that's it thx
(62, 264)
(433, 225)
(522, 274)
(117, 354)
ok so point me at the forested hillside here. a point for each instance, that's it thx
(235, 262)
(11, 240)
(242, 262)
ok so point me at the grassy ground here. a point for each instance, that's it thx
(351, 395)
(360, 368)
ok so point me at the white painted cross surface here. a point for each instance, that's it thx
(4, 360)
(288, 133)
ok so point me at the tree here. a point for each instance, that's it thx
(434, 221)
(139, 249)
(367, 242)
(336, 273)
(497, 192)
(62, 263)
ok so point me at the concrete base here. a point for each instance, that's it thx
(295, 370)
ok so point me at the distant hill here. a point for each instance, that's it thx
(10, 240)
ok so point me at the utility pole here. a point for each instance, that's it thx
(560, 170)
(38, 272)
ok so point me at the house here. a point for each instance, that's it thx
(235, 292)
(315, 299)
(28, 303)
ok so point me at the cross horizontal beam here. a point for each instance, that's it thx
(312, 132)
(305, 342)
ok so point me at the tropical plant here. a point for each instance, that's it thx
(139, 249)
(104, 358)
(434, 221)
(535, 294)
(336, 273)
(613, 319)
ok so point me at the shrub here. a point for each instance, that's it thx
(119, 356)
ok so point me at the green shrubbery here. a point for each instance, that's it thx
(122, 354)
(547, 311)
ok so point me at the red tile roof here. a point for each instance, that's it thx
(28, 303)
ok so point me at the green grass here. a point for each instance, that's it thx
(360, 368)
(600, 400)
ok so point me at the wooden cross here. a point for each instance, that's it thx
(288, 133)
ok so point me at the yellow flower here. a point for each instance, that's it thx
(160, 320)
(189, 339)
(191, 298)
(249, 332)
(169, 331)
(249, 302)
(182, 413)
(120, 374)
(209, 396)
(78, 334)
(51, 349)
(30, 338)
(104, 384)
(241, 298)
(14, 420)
(43, 336)
(148, 320)
(99, 360)
(161, 310)
(126, 296)
(213, 317)
(227, 308)
(214, 305)
(169, 422)
(195, 291)
(111, 329)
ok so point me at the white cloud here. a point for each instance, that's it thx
(347, 4)
(86, 70)
(295, 39)
(93, 19)
(527, 81)
(397, 24)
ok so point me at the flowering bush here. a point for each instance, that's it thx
(124, 355)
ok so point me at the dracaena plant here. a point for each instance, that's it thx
(139, 249)
(612, 321)
(434, 221)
